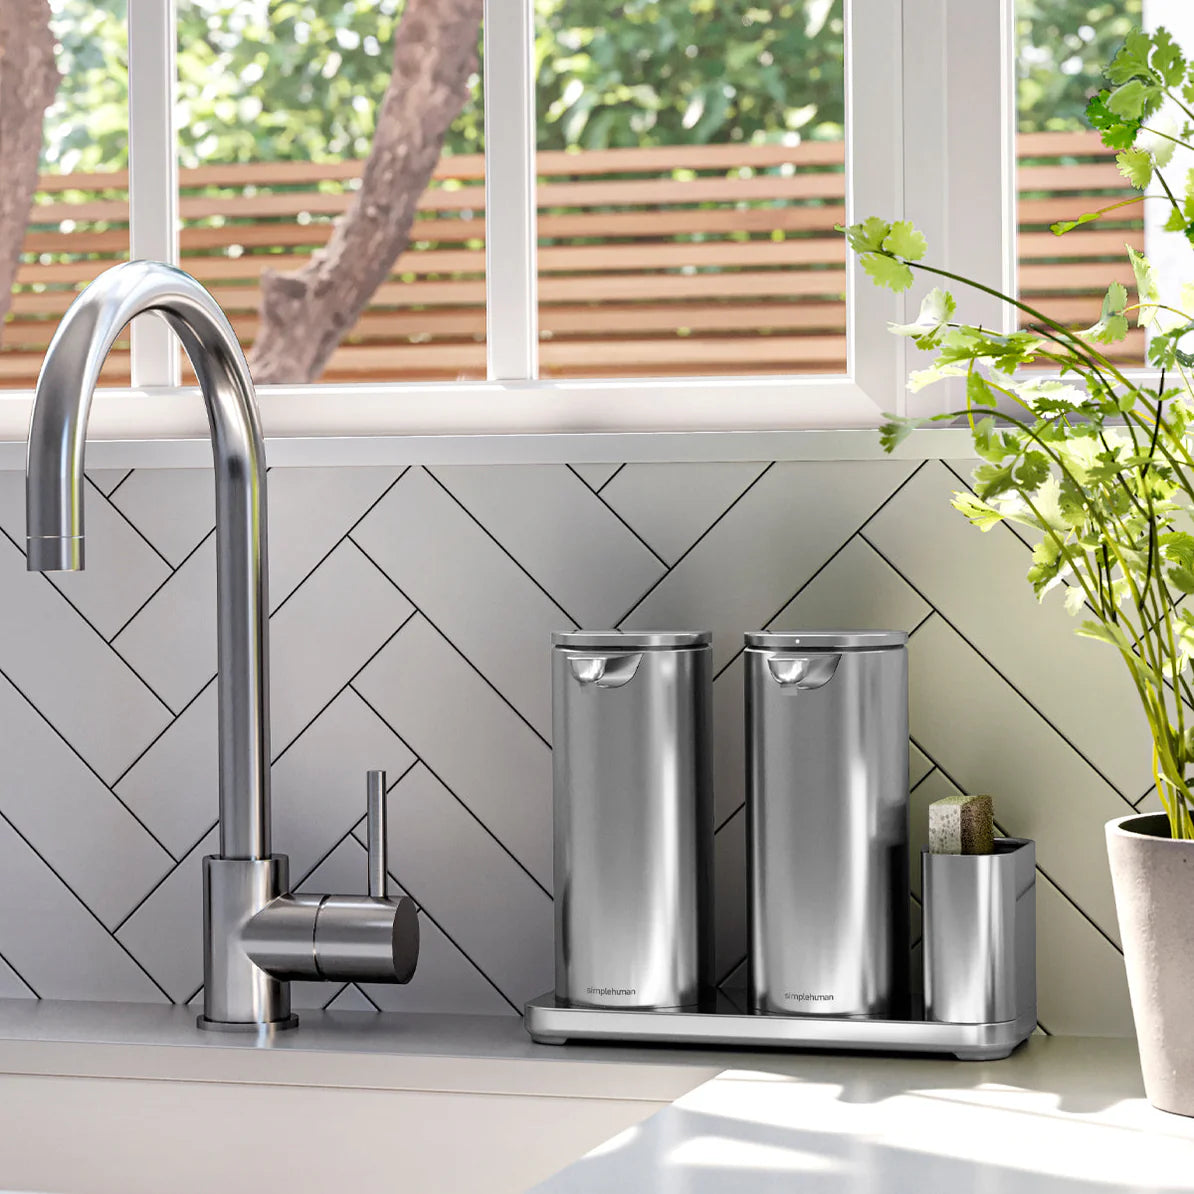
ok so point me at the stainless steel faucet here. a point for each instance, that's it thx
(258, 936)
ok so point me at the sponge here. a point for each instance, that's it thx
(961, 825)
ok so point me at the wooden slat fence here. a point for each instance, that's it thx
(661, 261)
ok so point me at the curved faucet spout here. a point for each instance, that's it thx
(54, 502)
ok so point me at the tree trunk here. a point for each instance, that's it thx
(305, 313)
(28, 83)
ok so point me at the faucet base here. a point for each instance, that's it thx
(268, 1029)
(237, 993)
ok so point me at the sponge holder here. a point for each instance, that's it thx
(980, 934)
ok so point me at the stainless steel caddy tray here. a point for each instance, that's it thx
(726, 1022)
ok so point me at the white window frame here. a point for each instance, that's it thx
(926, 65)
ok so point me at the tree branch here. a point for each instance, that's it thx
(305, 313)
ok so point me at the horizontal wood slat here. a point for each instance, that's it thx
(663, 260)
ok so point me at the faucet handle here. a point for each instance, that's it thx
(375, 809)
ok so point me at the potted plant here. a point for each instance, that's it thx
(1100, 466)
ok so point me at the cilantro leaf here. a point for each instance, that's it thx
(905, 241)
(866, 237)
(1147, 290)
(1136, 165)
(1133, 100)
(896, 430)
(1115, 131)
(1112, 325)
(1167, 58)
(936, 309)
(979, 512)
(887, 271)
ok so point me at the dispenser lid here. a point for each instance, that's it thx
(826, 640)
(632, 640)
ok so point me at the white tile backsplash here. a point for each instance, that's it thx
(446, 684)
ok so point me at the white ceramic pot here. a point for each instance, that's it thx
(1153, 877)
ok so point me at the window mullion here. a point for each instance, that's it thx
(153, 174)
(959, 165)
(874, 186)
(511, 270)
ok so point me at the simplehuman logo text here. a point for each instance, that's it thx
(807, 997)
(607, 991)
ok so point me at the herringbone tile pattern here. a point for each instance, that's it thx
(411, 614)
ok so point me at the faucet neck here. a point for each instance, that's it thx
(54, 503)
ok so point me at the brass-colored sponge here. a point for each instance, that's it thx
(961, 825)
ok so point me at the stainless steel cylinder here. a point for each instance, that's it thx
(980, 934)
(335, 938)
(632, 769)
(827, 822)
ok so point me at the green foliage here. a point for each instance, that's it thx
(264, 80)
(1097, 464)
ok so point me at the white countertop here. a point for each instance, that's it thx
(129, 1098)
(1061, 1116)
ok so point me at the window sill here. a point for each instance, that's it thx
(500, 423)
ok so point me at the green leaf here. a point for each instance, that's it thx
(1136, 165)
(1177, 547)
(1131, 61)
(978, 390)
(1133, 100)
(905, 241)
(979, 512)
(1114, 130)
(993, 480)
(936, 309)
(866, 237)
(1049, 563)
(1112, 325)
(1147, 291)
(897, 429)
(1032, 471)
(1181, 578)
(1167, 58)
(1176, 222)
(1075, 600)
(887, 271)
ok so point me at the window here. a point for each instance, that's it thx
(1063, 167)
(691, 172)
(77, 185)
(585, 215)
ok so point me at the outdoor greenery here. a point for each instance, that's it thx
(277, 79)
(1098, 466)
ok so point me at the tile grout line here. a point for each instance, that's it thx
(1085, 915)
(693, 546)
(158, 885)
(133, 616)
(347, 535)
(452, 792)
(352, 828)
(95, 629)
(990, 663)
(346, 685)
(424, 911)
(84, 905)
(160, 735)
(607, 479)
(129, 522)
(501, 547)
(29, 986)
(484, 678)
(118, 484)
(597, 494)
(70, 746)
